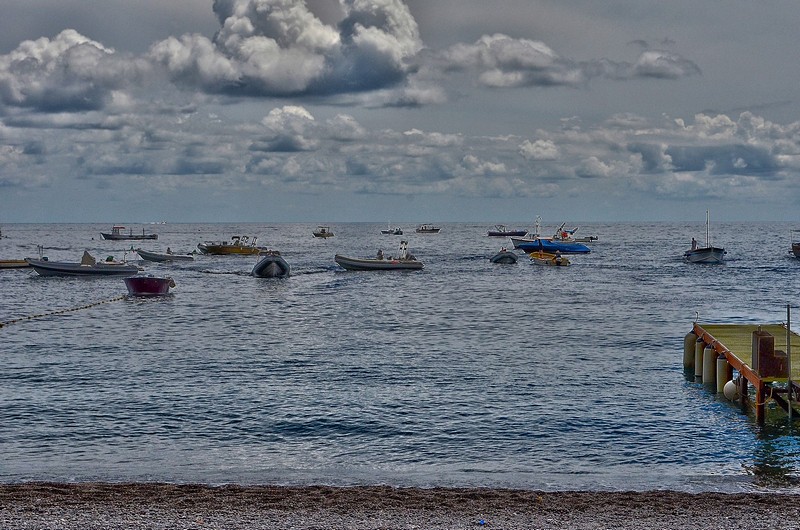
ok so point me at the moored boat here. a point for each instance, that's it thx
(88, 266)
(13, 264)
(505, 256)
(427, 229)
(163, 257)
(503, 231)
(148, 285)
(238, 245)
(547, 258)
(117, 233)
(796, 243)
(323, 232)
(396, 231)
(708, 254)
(405, 261)
(552, 246)
(271, 265)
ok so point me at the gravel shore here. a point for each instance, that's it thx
(45, 506)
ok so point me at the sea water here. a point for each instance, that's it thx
(466, 373)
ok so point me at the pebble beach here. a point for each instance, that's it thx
(45, 506)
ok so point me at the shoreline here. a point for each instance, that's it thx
(43, 505)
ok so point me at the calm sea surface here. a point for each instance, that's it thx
(463, 374)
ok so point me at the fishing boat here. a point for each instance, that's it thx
(148, 285)
(505, 257)
(405, 261)
(88, 266)
(238, 245)
(163, 258)
(552, 246)
(427, 229)
(503, 231)
(323, 232)
(396, 231)
(563, 240)
(548, 258)
(272, 265)
(708, 254)
(117, 233)
(13, 264)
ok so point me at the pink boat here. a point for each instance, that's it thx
(148, 285)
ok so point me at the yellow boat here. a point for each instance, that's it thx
(545, 258)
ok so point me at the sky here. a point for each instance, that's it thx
(327, 111)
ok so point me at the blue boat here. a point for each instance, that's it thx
(552, 246)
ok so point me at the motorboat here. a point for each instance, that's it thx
(503, 231)
(405, 261)
(165, 257)
(271, 265)
(708, 254)
(238, 245)
(13, 264)
(117, 233)
(323, 232)
(548, 258)
(148, 285)
(552, 246)
(504, 256)
(427, 229)
(88, 266)
(396, 231)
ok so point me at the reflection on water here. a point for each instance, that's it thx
(776, 454)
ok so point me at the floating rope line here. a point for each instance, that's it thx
(61, 311)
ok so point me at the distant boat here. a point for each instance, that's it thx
(397, 231)
(505, 256)
(707, 254)
(503, 231)
(88, 266)
(118, 234)
(427, 229)
(404, 261)
(148, 285)
(238, 245)
(272, 265)
(323, 231)
(163, 257)
(796, 243)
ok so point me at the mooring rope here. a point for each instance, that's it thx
(60, 311)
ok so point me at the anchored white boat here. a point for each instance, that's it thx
(88, 266)
(405, 261)
(707, 254)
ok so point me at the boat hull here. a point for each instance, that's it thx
(62, 268)
(504, 257)
(796, 250)
(162, 258)
(148, 285)
(705, 255)
(550, 246)
(367, 264)
(222, 249)
(506, 233)
(131, 237)
(545, 258)
(272, 266)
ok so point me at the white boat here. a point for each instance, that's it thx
(396, 231)
(323, 231)
(271, 265)
(88, 266)
(707, 254)
(427, 229)
(405, 261)
(165, 257)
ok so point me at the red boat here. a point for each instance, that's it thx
(148, 285)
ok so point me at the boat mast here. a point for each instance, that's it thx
(708, 240)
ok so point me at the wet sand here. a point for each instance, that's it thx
(163, 506)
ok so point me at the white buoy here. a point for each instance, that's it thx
(722, 373)
(688, 351)
(731, 390)
(698, 359)
(709, 365)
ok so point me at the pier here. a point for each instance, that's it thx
(761, 354)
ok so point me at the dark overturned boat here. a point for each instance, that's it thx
(163, 257)
(405, 261)
(117, 234)
(271, 265)
(505, 256)
(148, 285)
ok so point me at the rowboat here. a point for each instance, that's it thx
(117, 234)
(707, 254)
(272, 265)
(148, 285)
(162, 258)
(405, 261)
(547, 258)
